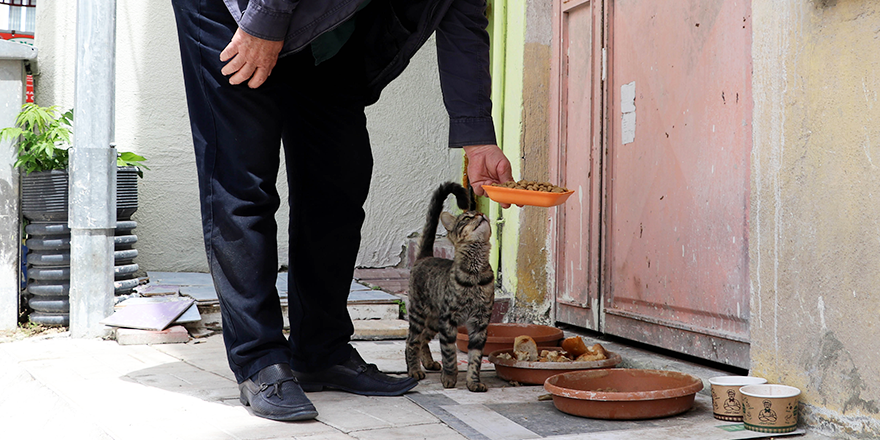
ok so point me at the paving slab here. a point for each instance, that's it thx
(388, 355)
(96, 389)
(180, 278)
(370, 296)
(200, 287)
(494, 416)
(29, 409)
(349, 413)
(202, 294)
(101, 390)
(356, 286)
(432, 431)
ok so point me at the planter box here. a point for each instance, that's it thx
(44, 195)
(44, 203)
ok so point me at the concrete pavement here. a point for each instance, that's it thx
(58, 387)
(88, 389)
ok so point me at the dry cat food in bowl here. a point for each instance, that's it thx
(500, 336)
(527, 192)
(623, 394)
(550, 362)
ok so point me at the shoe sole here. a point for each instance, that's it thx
(295, 417)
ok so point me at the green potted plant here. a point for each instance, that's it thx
(43, 135)
(43, 138)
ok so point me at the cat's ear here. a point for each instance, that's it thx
(448, 220)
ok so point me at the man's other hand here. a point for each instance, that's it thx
(250, 59)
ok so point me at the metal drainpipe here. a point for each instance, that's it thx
(92, 213)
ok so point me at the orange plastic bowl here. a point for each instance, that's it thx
(526, 197)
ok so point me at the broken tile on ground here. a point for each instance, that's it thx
(148, 316)
(173, 335)
(190, 315)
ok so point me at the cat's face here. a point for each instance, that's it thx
(470, 226)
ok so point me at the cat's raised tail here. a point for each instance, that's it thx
(462, 196)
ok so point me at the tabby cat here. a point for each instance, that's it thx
(444, 294)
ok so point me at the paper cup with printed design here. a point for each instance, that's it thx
(770, 408)
(726, 398)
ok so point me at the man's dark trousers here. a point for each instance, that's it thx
(318, 112)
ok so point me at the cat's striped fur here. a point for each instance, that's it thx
(445, 294)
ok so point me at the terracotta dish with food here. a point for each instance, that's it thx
(507, 367)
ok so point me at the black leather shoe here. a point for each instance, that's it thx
(274, 394)
(356, 376)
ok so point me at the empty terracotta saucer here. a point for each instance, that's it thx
(500, 336)
(536, 373)
(623, 394)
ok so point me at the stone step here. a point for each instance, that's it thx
(379, 329)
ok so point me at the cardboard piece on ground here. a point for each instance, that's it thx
(153, 316)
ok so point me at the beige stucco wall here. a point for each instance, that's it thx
(408, 130)
(815, 217)
(534, 266)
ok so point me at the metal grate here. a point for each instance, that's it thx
(22, 3)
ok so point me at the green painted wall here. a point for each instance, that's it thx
(520, 33)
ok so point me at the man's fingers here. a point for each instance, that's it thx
(478, 188)
(504, 172)
(242, 74)
(260, 76)
(228, 52)
(233, 66)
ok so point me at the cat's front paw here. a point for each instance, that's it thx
(449, 381)
(477, 387)
(417, 374)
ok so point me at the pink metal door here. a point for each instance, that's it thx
(678, 176)
(576, 133)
